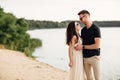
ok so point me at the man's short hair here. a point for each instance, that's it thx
(83, 12)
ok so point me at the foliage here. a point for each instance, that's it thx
(45, 24)
(13, 34)
(50, 24)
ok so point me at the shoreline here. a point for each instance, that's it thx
(15, 65)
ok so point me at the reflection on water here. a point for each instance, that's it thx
(54, 50)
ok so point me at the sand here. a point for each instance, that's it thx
(15, 65)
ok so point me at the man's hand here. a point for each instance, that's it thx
(78, 47)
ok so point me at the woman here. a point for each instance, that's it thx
(75, 57)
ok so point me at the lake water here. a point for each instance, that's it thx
(55, 52)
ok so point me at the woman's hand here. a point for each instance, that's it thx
(70, 64)
(78, 47)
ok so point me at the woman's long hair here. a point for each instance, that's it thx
(70, 32)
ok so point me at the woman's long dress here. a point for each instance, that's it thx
(76, 71)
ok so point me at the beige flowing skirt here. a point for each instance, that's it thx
(76, 72)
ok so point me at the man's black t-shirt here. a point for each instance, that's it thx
(88, 36)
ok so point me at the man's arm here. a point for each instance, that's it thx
(93, 46)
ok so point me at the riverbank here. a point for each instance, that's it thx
(15, 65)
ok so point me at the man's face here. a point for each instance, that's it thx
(83, 18)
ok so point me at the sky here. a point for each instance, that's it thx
(61, 10)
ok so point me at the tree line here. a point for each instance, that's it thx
(108, 23)
(13, 34)
(51, 24)
(45, 24)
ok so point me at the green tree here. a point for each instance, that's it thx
(13, 34)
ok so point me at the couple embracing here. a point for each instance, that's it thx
(84, 49)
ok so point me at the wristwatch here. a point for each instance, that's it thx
(83, 46)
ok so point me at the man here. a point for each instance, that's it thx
(91, 37)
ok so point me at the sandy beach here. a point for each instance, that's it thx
(15, 65)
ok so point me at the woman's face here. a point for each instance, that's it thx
(77, 27)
